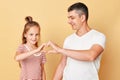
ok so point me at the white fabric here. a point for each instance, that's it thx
(83, 70)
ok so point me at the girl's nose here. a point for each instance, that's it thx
(34, 37)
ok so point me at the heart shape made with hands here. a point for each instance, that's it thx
(55, 47)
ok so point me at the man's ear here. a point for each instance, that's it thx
(83, 18)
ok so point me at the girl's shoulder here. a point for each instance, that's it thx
(21, 48)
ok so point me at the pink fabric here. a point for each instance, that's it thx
(30, 67)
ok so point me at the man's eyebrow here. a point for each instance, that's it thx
(69, 16)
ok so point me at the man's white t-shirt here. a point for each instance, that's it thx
(83, 70)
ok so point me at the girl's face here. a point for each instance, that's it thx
(32, 35)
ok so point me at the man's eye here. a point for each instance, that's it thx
(72, 18)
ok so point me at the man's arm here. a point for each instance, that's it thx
(59, 71)
(86, 55)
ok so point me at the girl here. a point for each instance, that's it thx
(29, 55)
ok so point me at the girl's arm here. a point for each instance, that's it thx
(23, 55)
(43, 72)
(20, 56)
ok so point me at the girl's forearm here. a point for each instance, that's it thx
(24, 55)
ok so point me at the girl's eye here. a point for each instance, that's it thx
(31, 34)
(37, 34)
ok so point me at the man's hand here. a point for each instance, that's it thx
(54, 46)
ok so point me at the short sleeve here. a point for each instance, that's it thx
(20, 48)
(100, 40)
(43, 58)
(65, 45)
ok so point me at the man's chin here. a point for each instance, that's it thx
(73, 28)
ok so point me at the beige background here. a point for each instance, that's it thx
(52, 16)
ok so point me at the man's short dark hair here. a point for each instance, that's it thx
(79, 7)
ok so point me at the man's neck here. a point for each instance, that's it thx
(83, 30)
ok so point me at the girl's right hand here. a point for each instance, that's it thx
(41, 47)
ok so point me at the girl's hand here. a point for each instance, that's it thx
(43, 51)
(41, 47)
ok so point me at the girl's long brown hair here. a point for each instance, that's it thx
(30, 23)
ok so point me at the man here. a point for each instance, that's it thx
(82, 50)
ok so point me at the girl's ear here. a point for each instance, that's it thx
(25, 35)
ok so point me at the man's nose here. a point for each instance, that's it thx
(69, 21)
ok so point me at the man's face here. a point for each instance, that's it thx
(74, 20)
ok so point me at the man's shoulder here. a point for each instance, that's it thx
(98, 33)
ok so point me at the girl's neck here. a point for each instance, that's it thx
(31, 46)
